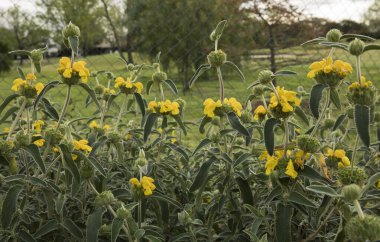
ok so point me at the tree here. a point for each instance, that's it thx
(372, 18)
(276, 15)
(86, 14)
(5, 60)
(177, 29)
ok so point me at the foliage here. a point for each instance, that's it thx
(278, 172)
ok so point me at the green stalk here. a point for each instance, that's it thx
(120, 113)
(358, 70)
(286, 136)
(28, 125)
(331, 52)
(63, 112)
(323, 112)
(354, 151)
(221, 83)
(15, 121)
(358, 209)
(140, 205)
(161, 92)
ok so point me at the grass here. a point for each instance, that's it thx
(206, 86)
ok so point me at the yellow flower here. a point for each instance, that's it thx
(146, 185)
(30, 77)
(39, 142)
(364, 84)
(378, 184)
(345, 161)
(39, 86)
(264, 155)
(260, 111)
(37, 125)
(74, 156)
(339, 153)
(82, 145)
(327, 66)
(55, 149)
(271, 164)
(287, 99)
(6, 130)
(135, 182)
(109, 91)
(164, 107)
(300, 156)
(210, 106)
(173, 139)
(17, 84)
(290, 171)
(78, 68)
(152, 105)
(119, 82)
(139, 86)
(234, 104)
(93, 124)
(106, 127)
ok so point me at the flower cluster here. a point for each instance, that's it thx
(337, 158)
(38, 124)
(166, 107)
(82, 145)
(73, 72)
(283, 103)
(94, 125)
(361, 92)
(39, 142)
(259, 113)
(146, 185)
(127, 86)
(26, 87)
(212, 108)
(328, 66)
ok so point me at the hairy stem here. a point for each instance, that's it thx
(120, 113)
(354, 151)
(286, 136)
(358, 209)
(358, 70)
(161, 92)
(322, 113)
(15, 121)
(221, 83)
(63, 112)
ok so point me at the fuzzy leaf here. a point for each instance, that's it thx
(91, 93)
(7, 100)
(323, 189)
(283, 227)
(163, 197)
(372, 181)
(218, 31)
(285, 73)
(172, 86)
(178, 119)
(371, 47)
(20, 52)
(269, 134)
(140, 101)
(362, 120)
(46, 228)
(300, 113)
(149, 85)
(315, 99)
(339, 121)
(235, 68)
(179, 150)
(73, 229)
(94, 221)
(335, 99)
(150, 121)
(117, 224)
(202, 144)
(202, 175)
(298, 198)
(205, 120)
(245, 191)
(201, 69)
(46, 88)
(74, 44)
(70, 164)
(9, 205)
(314, 41)
(357, 36)
(93, 162)
(236, 124)
(33, 150)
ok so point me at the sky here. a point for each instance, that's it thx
(335, 10)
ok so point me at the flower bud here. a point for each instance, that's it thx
(141, 160)
(123, 212)
(159, 76)
(130, 67)
(21, 139)
(246, 117)
(363, 229)
(36, 55)
(105, 229)
(265, 77)
(328, 123)
(356, 47)
(258, 90)
(351, 192)
(308, 143)
(70, 30)
(13, 167)
(86, 171)
(99, 89)
(333, 35)
(216, 58)
(184, 218)
(354, 175)
(54, 136)
(215, 121)
(114, 137)
(105, 198)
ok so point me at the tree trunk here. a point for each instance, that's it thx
(114, 31)
(129, 48)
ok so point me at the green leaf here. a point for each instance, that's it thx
(33, 150)
(371, 47)
(323, 189)
(7, 100)
(202, 175)
(139, 234)
(201, 69)
(21, 73)
(101, 141)
(163, 197)
(339, 121)
(372, 181)
(178, 119)
(205, 120)
(301, 114)
(245, 191)
(93, 161)
(140, 101)
(158, 57)
(9, 112)
(269, 134)
(149, 85)
(50, 110)
(357, 36)
(10, 205)
(235, 68)
(335, 45)
(73, 229)
(315, 99)
(362, 120)
(243, 157)
(283, 227)
(46, 228)
(285, 73)
(334, 95)
(255, 83)
(179, 150)
(236, 124)
(117, 224)
(94, 221)
(37, 66)
(150, 121)
(68, 161)
(25, 236)
(46, 88)
(312, 174)
(298, 198)
(314, 41)
(218, 31)
(74, 44)
(202, 144)
(60, 202)
(91, 93)
(20, 52)
(172, 86)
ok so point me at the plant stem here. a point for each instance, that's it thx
(216, 45)
(323, 112)
(15, 121)
(358, 70)
(354, 151)
(140, 205)
(125, 226)
(28, 125)
(275, 91)
(221, 83)
(286, 136)
(358, 209)
(331, 52)
(264, 102)
(161, 92)
(120, 113)
(63, 112)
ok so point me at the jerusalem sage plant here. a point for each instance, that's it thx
(268, 169)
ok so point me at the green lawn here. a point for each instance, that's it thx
(204, 87)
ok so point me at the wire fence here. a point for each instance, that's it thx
(246, 53)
